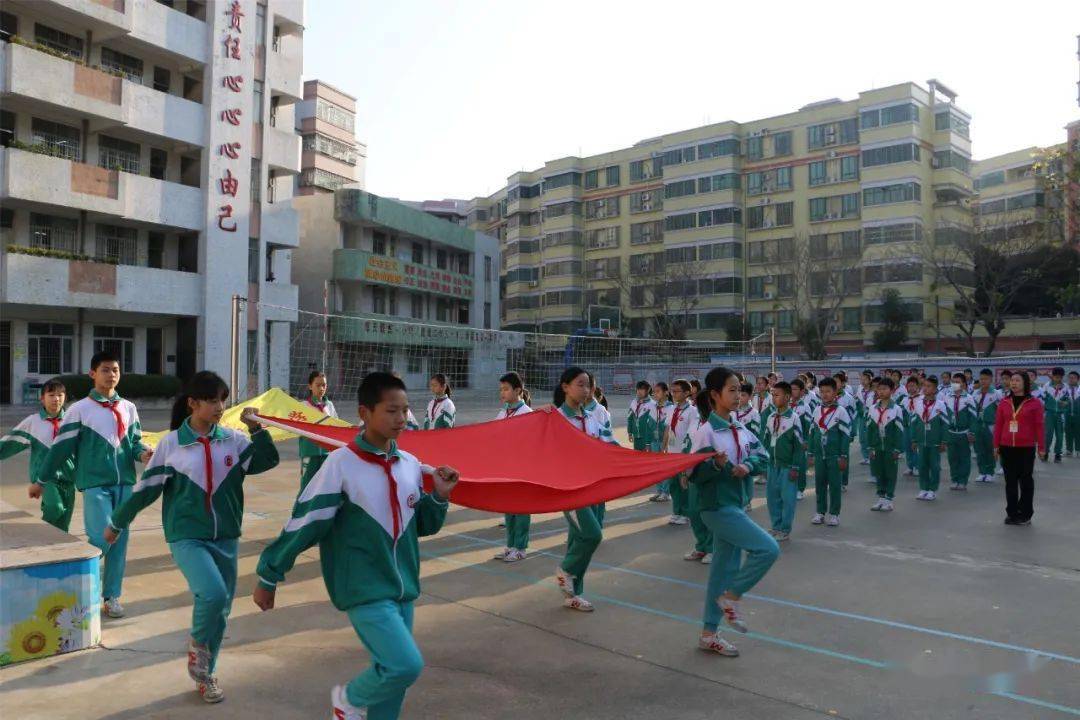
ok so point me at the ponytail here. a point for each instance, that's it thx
(203, 385)
(514, 380)
(441, 379)
(568, 375)
(714, 380)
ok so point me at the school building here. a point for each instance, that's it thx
(331, 157)
(405, 289)
(705, 224)
(146, 176)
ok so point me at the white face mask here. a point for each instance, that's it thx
(957, 387)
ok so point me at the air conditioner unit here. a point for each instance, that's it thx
(767, 201)
(534, 283)
(832, 153)
(935, 163)
(767, 224)
(769, 279)
(832, 179)
(768, 296)
(764, 131)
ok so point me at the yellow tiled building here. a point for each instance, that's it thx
(726, 201)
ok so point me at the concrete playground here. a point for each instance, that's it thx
(934, 611)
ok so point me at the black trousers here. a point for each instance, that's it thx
(1018, 464)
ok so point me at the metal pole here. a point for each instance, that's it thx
(234, 357)
(326, 323)
(772, 347)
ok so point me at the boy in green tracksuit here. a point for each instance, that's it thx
(367, 509)
(829, 443)
(845, 398)
(885, 437)
(783, 440)
(985, 398)
(804, 410)
(1072, 421)
(748, 416)
(37, 433)
(640, 423)
(911, 448)
(928, 428)
(960, 423)
(102, 438)
(1055, 399)
(200, 468)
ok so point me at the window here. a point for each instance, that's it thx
(679, 155)
(155, 351)
(679, 189)
(646, 201)
(60, 140)
(754, 148)
(641, 170)
(602, 269)
(257, 101)
(562, 297)
(7, 128)
(714, 183)
(117, 340)
(646, 263)
(9, 25)
(718, 148)
(952, 159)
(674, 256)
(335, 115)
(117, 154)
(592, 179)
(416, 308)
(155, 250)
(566, 237)
(561, 209)
(440, 259)
(256, 179)
(49, 348)
(378, 243)
(562, 180)
(522, 302)
(602, 238)
(755, 287)
(782, 144)
(253, 352)
(331, 147)
(903, 192)
(159, 160)
(889, 154)
(603, 208)
(818, 175)
(442, 310)
(253, 260)
(487, 268)
(60, 41)
(116, 244)
(611, 174)
(718, 216)
(891, 115)
(781, 250)
(894, 273)
(1030, 200)
(260, 24)
(316, 177)
(841, 132)
(755, 217)
(785, 286)
(849, 167)
(378, 300)
(785, 214)
(562, 268)
(487, 315)
(53, 233)
(649, 232)
(127, 65)
(901, 232)
(275, 103)
(953, 122)
(851, 319)
(720, 251)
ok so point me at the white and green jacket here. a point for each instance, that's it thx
(513, 410)
(36, 433)
(749, 417)
(986, 405)
(367, 526)
(782, 436)
(595, 422)
(641, 423)
(309, 448)
(203, 483)
(102, 443)
(682, 421)
(716, 485)
(440, 413)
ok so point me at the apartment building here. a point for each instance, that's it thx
(331, 158)
(146, 177)
(726, 207)
(370, 261)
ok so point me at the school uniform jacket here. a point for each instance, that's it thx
(1073, 393)
(440, 413)
(885, 428)
(410, 420)
(1055, 398)
(102, 438)
(367, 526)
(986, 405)
(962, 414)
(846, 400)
(309, 448)
(595, 422)
(36, 432)
(513, 410)
(830, 431)
(201, 480)
(761, 402)
(662, 413)
(749, 417)
(929, 422)
(716, 486)
(641, 420)
(682, 421)
(782, 437)
(866, 400)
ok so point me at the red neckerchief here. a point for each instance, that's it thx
(823, 419)
(321, 407)
(738, 445)
(208, 464)
(385, 463)
(637, 408)
(926, 410)
(434, 407)
(510, 413)
(111, 405)
(776, 423)
(740, 415)
(982, 399)
(881, 416)
(675, 416)
(911, 403)
(55, 421)
(956, 405)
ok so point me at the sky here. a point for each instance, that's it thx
(453, 96)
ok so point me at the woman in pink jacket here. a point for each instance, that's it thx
(1018, 430)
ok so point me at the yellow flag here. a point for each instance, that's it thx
(274, 401)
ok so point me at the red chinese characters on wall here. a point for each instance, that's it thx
(228, 184)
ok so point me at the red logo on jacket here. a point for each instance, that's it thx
(228, 461)
(412, 500)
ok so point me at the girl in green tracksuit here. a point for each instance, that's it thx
(515, 398)
(885, 440)
(200, 468)
(735, 454)
(37, 432)
(313, 455)
(367, 509)
(440, 408)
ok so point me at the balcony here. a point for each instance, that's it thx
(282, 150)
(360, 266)
(104, 18)
(290, 12)
(44, 180)
(32, 280)
(37, 76)
(171, 30)
(283, 70)
(280, 224)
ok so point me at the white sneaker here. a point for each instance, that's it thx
(502, 523)
(759, 480)
(656, 497)
(565, 582)
(578, 603)
(665, 497)
(843, 488)
(716, 644)
(887, 506)
(707, 560)
(782, 536)
(514, 555)
(501, 554)
(817, 519)
(694, 555)
(930, 495)
(832, 520)
(872, 480)
(864, 462)
(112, 608)
(210, 691)
(800, 495)
(342, 709)
(678, 520)
(198, 664)
(878, 504)
(921, 495)
(732, 616)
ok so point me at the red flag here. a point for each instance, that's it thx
(525, 464)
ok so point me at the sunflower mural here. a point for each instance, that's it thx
(33, 638)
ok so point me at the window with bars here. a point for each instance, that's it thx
(337, 116)
(904, 152)
(316, 177)
(602, 238)
(603, 208)
(49, 348)
(117, 340)
(720, 251)
(53, 233)
(116, 244)
(59, 41)
(648, 232)
(117, 154)
(129, 66)
(60, 140)
(901, 192)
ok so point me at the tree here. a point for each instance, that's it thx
(667, 293)
(893, 332)
(814, 276)
(735, 328)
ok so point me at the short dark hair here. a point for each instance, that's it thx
(931, 379)
(868, 373)
(959, 376)
(1074, 373)
(912, 379)
(51, 386)
(827, 382)
(374, 385)
(644, 385)
(887, 382)
(1058, 371)
(782, 386)
(102, 357)
(876, 380)
(314, 374)
(1006, 373)
(986, 371)
(682, 385)
(442, 380)
(840, 375)
(746, 388)
(798, 383)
